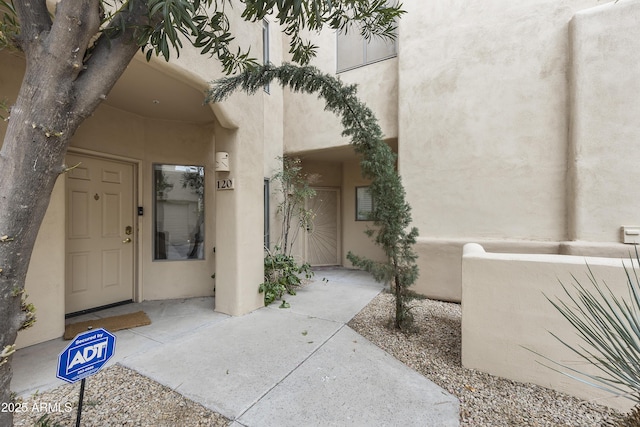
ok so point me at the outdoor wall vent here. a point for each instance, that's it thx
(222, 161)
(631, 235)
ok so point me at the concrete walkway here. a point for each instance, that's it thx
(272, 367)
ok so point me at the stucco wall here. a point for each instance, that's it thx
(482, 121)
(378, 89)
(483, 116)
(45, 283)
(354, 238)
(239, 218)
(605, 136)
(439, 261)
(505, 314)
(309, 127)
(46, 276)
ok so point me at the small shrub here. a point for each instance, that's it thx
(282, 274)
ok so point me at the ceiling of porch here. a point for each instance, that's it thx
(149, 92)
(337, 154)
(143, 90)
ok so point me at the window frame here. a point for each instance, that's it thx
(265, 49)
(365, 61)
(267, 213)
(369, 214)
(154, 215)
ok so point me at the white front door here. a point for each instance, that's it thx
(322, 242)
(100, 232)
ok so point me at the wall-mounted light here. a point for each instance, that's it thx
(222, 161)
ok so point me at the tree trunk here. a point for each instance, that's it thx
(30, 163)
(61, 87)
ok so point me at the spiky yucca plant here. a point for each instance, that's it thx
(609, 327)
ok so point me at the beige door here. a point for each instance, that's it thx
(100, 232)
(322, 239)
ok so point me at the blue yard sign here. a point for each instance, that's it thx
(86, 355)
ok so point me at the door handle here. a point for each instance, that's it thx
(127, 240)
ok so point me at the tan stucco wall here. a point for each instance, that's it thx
(45, 282)
(46, 276)
(482, 123)
(486, 100)
(505, 312)
(309, 127)
(378, 89)
(440, 260)
(605, 136)
(354, 238)
(483, 116)
(239, 218)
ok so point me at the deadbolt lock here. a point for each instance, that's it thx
(128, 230)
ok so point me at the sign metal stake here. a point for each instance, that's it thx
(80, 402)
(79, 415)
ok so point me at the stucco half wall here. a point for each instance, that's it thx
(506, 316)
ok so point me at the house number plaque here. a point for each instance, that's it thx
(224, 184)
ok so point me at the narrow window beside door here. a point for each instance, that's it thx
(178, 212)
(266, 214)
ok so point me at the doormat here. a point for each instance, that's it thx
(111, 324)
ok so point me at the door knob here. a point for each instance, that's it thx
(127, 240)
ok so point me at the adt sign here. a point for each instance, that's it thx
(86, 355)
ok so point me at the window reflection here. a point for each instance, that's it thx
(355, 51)
(364, 204)
(178, 212)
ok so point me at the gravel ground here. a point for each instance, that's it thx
(485, 400)
(118, 396)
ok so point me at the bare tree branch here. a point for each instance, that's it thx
(76, 23)
(110, 57)
(34, 21)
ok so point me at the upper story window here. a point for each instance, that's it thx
(355, 51)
